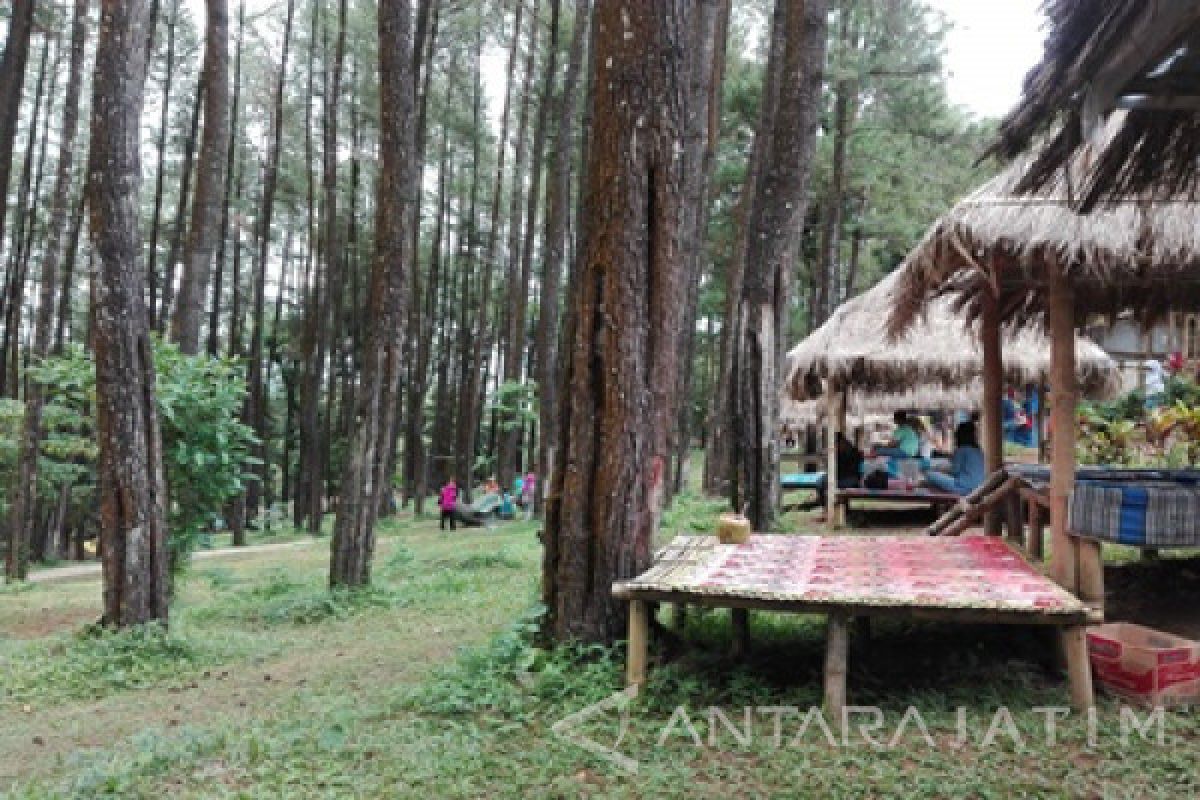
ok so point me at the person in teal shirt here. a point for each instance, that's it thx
(905, 441)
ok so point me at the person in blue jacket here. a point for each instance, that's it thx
(968, 469)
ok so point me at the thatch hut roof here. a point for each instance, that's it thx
(854, 350)
(879, 407)
(1100, 55)
(1129, 255)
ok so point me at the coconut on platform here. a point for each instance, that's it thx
(732, 528)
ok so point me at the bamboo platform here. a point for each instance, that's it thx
(965, 580)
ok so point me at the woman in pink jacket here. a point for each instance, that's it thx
(448, 502)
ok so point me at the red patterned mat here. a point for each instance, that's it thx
(875, 571)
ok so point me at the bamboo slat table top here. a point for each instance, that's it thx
(968, 574)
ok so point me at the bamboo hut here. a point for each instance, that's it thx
(853, 354)
(1003, 258)
(1121, 81)
(854, 351)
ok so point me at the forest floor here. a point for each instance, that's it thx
(428, 685)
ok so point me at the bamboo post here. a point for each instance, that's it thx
(639, 630)
(1079, 670)
(741, 632)
(1061, 313)
(993, 390)
(1035, 537)
(835, 416)
(836, 650)
(1091, 572)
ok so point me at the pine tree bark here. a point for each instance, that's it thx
(179, 228)
(706, 75)
(483, 336)
(558, 199)
(210, 183)
(506, 457)
(233, 191)
(133, 529)
(12, 80)
(607, 498)
(519, 309)
(63, 325)
(776, 218)
(23, 509)
(718, 459)
(417, 381)
(364, 475)
(160, 181)
(17, 263)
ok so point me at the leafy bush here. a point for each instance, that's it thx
(206, 448)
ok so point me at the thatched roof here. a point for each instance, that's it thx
(1138, 256)
(869, 407)
(853, 349)
(1141, 55)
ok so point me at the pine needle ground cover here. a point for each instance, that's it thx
(432, 684)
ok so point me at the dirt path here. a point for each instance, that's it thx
(92, 570)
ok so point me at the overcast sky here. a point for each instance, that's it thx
(991, 47)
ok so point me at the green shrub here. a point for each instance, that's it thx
(206, 448)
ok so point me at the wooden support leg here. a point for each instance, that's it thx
(836, 650)
(679, 618)
(1091, 572)
(1013, 519)
(1035, 541)
(741, 632)
(840, 508)
(639, 630)
(1079, 671)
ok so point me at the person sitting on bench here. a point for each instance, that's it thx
(968, 470)
(849, 471)
(905, 443)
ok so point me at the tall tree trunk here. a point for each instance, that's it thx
(63, 324)
(17, 273)
(506, 457)
(483, 337)
(23, 509)
(558, 198)
(326, 298)
(210, 182)
(12, 80)
(255, 409)
(179, 229)
(776, 217)
(364, 478)
(829, 282)
(133, 529)
(416, 377)
(464, 449)
(706, 75)
(233, 176)
(161, 161)
(606, 500)
(718, 459)
(519, 308)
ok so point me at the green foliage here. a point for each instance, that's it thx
(206, 448)
(1124, 432)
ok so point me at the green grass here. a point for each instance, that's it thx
(432, 684)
